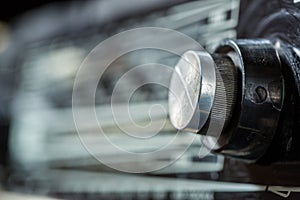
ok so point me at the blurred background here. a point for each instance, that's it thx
(42, 45)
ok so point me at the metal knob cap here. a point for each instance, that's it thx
(192, 90)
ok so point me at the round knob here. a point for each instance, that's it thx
(192, 91)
